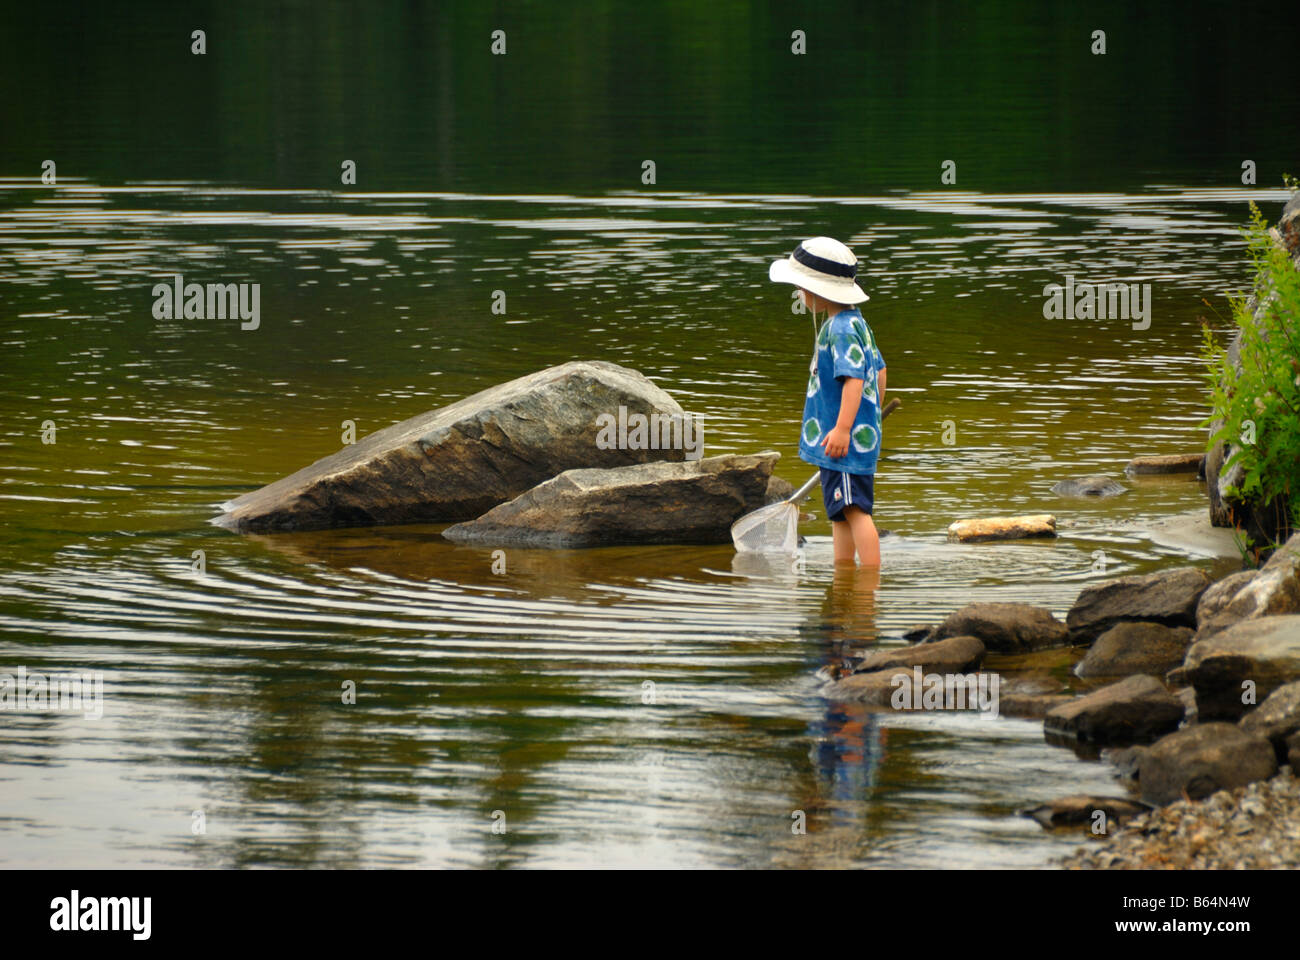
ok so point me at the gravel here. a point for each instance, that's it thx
(1256, 827)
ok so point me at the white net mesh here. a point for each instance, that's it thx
(771, 529)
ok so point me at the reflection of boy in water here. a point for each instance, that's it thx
(848, 739)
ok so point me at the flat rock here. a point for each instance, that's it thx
(1265, 652)
(1277, 718)
(1201, 760)
(1083, 809)
(1031, 706)
(457, 461)
(899, 689)
(1096, 485)
(1221, 593)
(691, 502)
(1135, 646)
(1135, 710)
(952, 655)
(1003, 528)
(1168, 597)
(1168, 463)
(1005, 627)
(1275, 590)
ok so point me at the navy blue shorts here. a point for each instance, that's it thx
(840, 490)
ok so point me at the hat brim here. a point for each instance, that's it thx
(847, 291)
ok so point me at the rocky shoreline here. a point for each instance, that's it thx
(1189, 687)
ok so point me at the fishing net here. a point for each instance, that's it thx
(770, 529)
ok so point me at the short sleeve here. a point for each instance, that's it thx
(849, 349)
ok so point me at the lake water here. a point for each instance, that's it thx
(522, 692)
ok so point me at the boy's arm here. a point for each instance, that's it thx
(836, 443)
(880, 386)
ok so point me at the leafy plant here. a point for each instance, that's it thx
(1257, 400)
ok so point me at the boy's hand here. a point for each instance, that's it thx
(836, 443)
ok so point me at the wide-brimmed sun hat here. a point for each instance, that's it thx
(824, 266)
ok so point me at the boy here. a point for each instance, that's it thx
(846, 390)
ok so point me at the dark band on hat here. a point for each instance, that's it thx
(822, 265)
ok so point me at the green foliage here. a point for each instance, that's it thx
(1261, 399)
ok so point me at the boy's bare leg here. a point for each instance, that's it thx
(861, 534)
(842, 537)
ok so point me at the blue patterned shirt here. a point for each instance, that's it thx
(845, 348)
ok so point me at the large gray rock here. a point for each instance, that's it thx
(457, 461)
(1265, 652)
(691, 502)
(1136, 710)
(1135, 646)
(1277, 718)
(1004, 627)
(1275, 589)
(1168, 597)
(1202, 760)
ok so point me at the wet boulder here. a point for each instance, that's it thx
(691, 502)
(1135, 646)
(1253, 657)
(952, 655)
(1275, 589)
(1202, 760)
(1221, 593)
(1168, 597)
(457, 461)
(1004, 627)
(1096, 485)
(1136, 710)
(1031, 706)
(1277, 718)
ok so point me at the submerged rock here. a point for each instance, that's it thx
(1263, 653)
(1201, 760)
(1097, 485)
(1168, 597)
(1002, 528)
(1135, 710)
(457, 461)
(1083, 809)
(691, 502)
